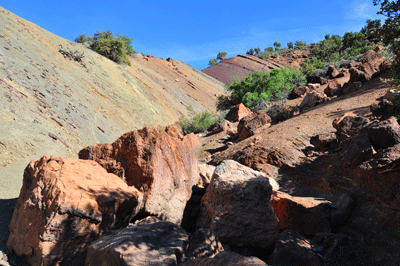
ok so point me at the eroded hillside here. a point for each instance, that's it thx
(53, 105)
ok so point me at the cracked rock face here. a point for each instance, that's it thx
(163, 167)
(64, 205)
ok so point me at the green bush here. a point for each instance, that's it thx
(82, 38)
(198, 122)
(221, 55)
(259, 86)
(309, 66)
(212, 62)
(250, 52)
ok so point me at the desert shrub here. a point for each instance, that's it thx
(221, 55)
(198, 122)
(114, 48)
(327, 50)
(279, 112)
(309, 66)
(276, 55)
(277, 45)
(300, 44)
(268, 49)
(259, 86)
(250, 52)
(82, 38)
(212, 62)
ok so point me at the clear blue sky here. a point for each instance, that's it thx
(195, 31)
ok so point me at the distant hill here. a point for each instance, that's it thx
(241, 66)
(50, 104)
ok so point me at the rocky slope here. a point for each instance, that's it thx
(53, 105)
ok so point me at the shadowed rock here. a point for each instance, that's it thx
(237, 207)
(160, 243)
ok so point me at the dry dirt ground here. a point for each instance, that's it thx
(374, 226)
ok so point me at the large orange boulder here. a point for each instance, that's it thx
(65, 204)
(238, 112)
(163, 167)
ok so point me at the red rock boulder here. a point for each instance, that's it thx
(299, 91)
(64, 205)
(237, 113)
(253, 124)
(332, 72)
(164, 168)
(370, 63)
(305, 216)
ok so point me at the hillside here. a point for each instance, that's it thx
(241, 66)
(53, 105)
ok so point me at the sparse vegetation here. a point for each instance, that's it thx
(290, 45)
(117, 48)
(250, 52)
(277, 45)
(269, 49)
(212, 62)
(221, 55)
(198, 122)
(259, 86)
(300, 44)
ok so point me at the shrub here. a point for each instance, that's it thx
(276, 55)
(198, 122)
(268, 49)
(250, 52)
(309, 66)
(221, 55)
(259, 86)
(279, 112)
(82, 38)
(290, 45)
(212, 62)
(257, 50)
(300, 44)
(116, 49)
(277, 45)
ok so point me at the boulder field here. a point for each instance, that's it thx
(122, 203)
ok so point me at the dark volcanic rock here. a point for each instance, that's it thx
(292, 248)
(384, 134)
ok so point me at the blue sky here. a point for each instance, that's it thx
(194, 32)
